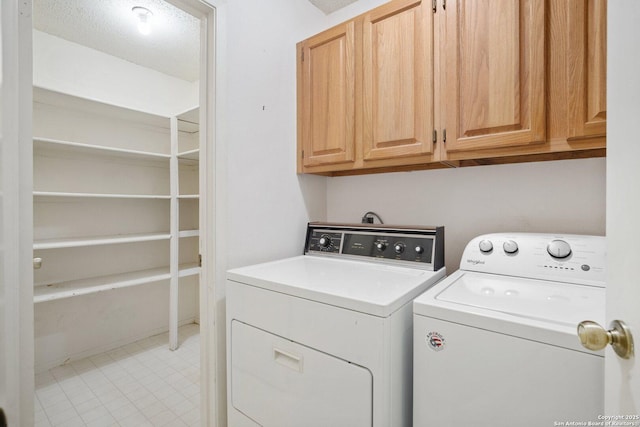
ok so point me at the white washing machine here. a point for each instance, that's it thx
(495, 343)
(324, 339)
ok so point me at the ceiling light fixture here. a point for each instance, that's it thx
(144, 16)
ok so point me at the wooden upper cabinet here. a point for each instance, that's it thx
(587, 67)
(397, 46)
(494, 74)
(326, 97)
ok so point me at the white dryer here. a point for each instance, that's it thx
(495, 343)
(324, 339)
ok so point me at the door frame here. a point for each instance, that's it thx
(17, 50)
(17, 216)
(212, 206)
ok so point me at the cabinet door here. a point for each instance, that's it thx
(326, 97)
(494, 74)
(587, 70)
(398, 80)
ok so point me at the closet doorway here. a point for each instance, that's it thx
(122, 146)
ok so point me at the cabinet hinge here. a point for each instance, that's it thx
(303, 154)
(444, 4)
(199, 260)
(435, 136)
(302, 54)
(434, 5)
(444, 136)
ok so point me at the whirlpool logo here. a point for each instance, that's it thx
(474, 261)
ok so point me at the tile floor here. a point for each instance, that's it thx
(140, 384)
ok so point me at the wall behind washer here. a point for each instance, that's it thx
(565, 196)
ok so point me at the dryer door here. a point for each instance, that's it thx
(279, 383)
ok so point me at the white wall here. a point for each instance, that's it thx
(561, 196)
(71, 68)
(268, 205)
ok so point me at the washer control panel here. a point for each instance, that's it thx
(566, 258)
(418, 246)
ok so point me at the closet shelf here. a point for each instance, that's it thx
(53, 194)
(99, 240)
(189, 233)
(73, 288)
(76, 147)
(190, 155)
(187, 270)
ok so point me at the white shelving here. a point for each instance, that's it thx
(96, 241)
(92, 285)
(108, 184)
(60, 194)
(190, 154)
(189, 233)
(73, 288)
(75, 147)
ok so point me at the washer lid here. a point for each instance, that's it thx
(535, 299)
(530, 308)
(366, 287)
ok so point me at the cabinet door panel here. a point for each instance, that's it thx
(398, 80)
(494, 75)
(587, 29)
(327, 91)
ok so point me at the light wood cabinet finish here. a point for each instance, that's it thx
(326, 84)
(507, 80)
(494, 67)
(398, 80)
(587, 70)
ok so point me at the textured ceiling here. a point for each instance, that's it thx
(328, 6)
(173, 47)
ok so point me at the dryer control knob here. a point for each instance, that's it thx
(399, 247)
(559, 249)
(325, 241)
(485, 246)
(510, 247)
(381, 246)
(419, 249)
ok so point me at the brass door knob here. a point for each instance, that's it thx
(595, 337)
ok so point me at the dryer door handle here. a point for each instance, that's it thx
(287, 359)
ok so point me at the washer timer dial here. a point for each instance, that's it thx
(559, 249)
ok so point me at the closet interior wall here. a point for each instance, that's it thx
(116, 210)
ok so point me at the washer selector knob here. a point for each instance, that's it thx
(381, 246)
(485, 246)
(510, 247)
(419, 249)
(399, 247)
(559, 249)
